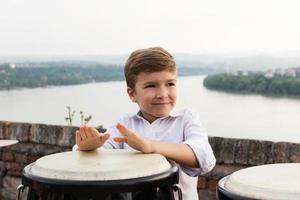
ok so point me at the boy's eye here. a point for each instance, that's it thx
(171, 84)
(149, 86)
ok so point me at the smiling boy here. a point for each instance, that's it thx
(151, 78)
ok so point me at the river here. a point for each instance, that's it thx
(223, 114)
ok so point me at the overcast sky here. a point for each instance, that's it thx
(88, 27)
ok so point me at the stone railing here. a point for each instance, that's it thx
(37, 140)
(234, 154)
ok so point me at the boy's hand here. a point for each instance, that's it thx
(134, 140)
(88, 138)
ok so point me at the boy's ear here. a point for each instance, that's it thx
(131, 94)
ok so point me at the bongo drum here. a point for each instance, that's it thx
(273, 181)
(100, 174)
(4, 143)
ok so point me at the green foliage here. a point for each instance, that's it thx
(254, 83)
(57, 74)
(43, 74)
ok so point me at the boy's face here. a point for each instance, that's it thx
(155, 93)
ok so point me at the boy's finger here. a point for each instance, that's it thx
(86, 130)
(94, 132)
(120, 139)
(104, 137)
(77, 137)
(82, 133)
(90, 132)
(123, 129)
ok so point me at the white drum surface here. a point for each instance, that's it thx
(274, 181)
(101, 164)
(4, 143)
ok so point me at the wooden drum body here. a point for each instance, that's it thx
(273, 181)
(101, 174)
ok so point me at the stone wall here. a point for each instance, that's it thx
(37, 140)
(234, 154)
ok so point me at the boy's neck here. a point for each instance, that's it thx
(149, 118)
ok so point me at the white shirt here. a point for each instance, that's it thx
(179, 127)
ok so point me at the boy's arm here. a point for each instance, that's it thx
(180, 153)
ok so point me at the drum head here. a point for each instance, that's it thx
(112, 170)
(101, 164)
(4, 143)
(274, 181)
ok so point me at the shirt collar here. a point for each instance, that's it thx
(173, 113)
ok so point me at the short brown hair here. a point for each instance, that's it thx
(153, 59)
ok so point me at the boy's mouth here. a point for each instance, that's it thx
(161, 103)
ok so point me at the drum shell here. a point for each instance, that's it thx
(76, 189)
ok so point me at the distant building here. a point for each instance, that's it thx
(269, 73)
(291, 72)
(12, 65)
(279, 72)
(298, 71)
(245, 73)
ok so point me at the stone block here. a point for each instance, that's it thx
(23, 148)
(293, 152)
(4, 129)
(1, 130)
(45, 134)
(42, 149)
(212, 184)
(281, 154)
(67, 136)
(241, 152)
(53, 135)
(206, 195)
(32, 159)
(202, 183)
(296, 157)
(228, 150)
(285, 152)
(260, 152)
(19, 131)
(216, 145)
(35, 149)
(21, 158)
(7, 156)
(2, 164)
(15, 168)
(10, 184)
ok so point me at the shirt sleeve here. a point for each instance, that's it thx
(195, 136)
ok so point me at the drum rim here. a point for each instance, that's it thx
(221, 189)
(124, 185)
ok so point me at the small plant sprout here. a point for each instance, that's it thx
(84, 120)
(70, 116)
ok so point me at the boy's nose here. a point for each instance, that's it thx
(162, 93)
